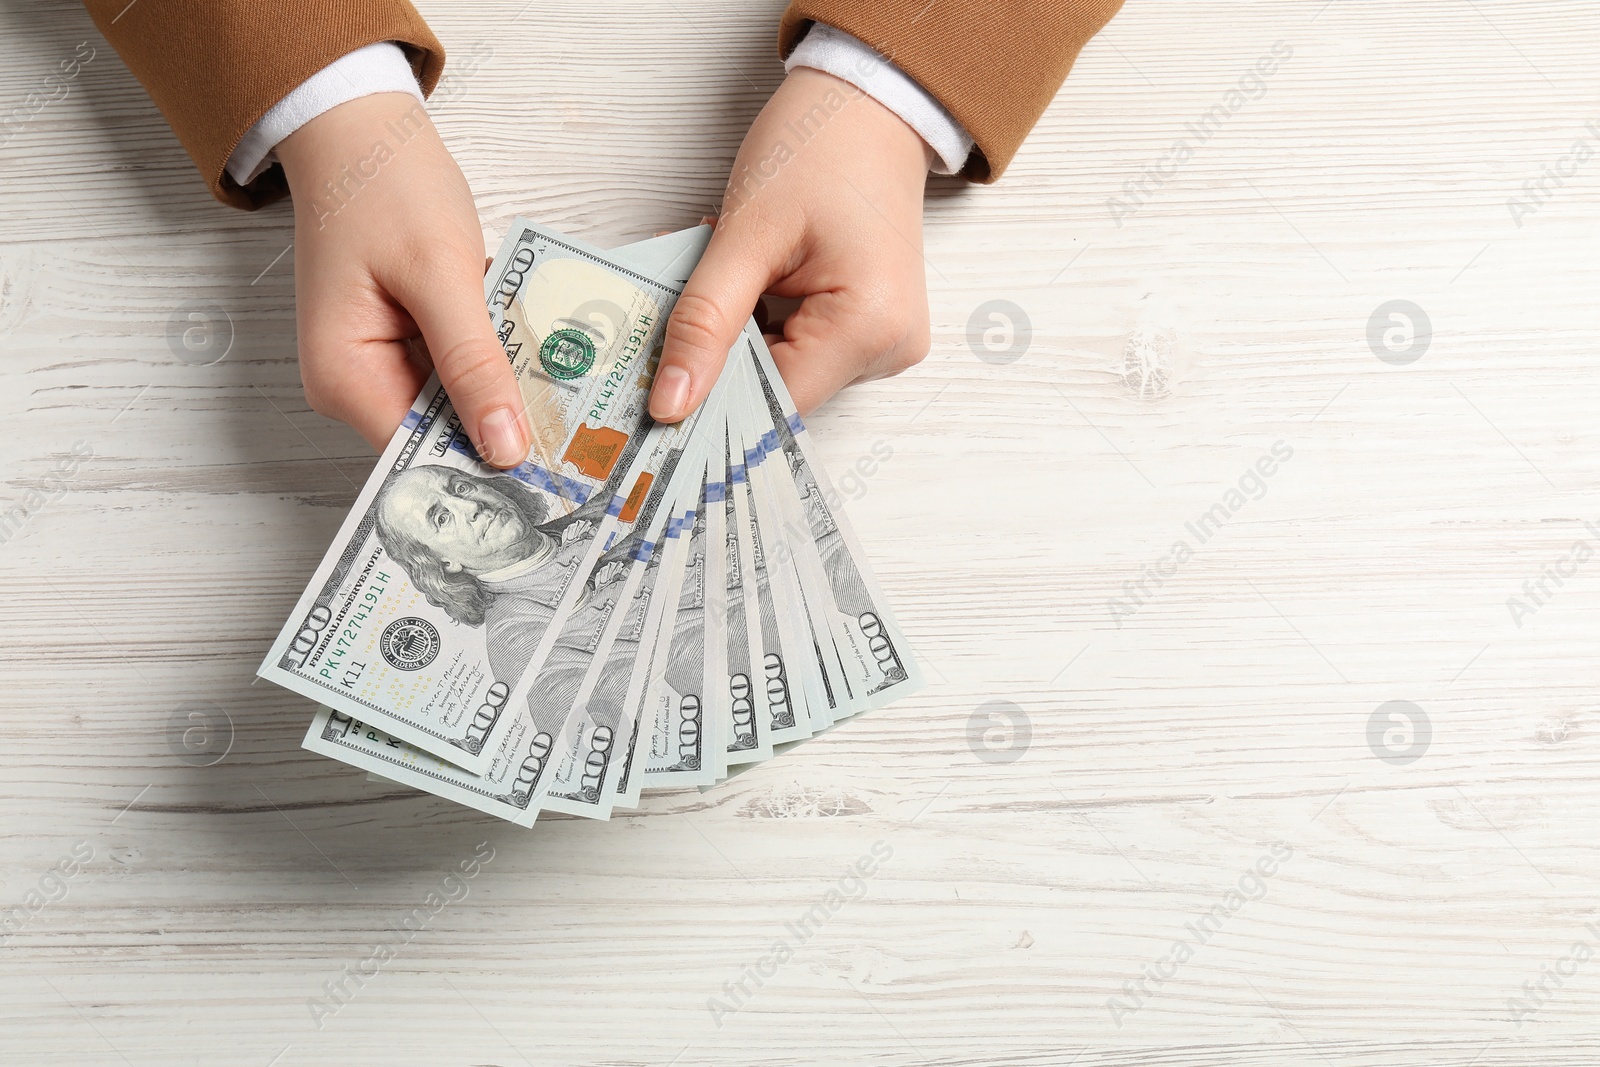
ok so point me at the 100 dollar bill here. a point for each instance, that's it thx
(449, 580)
(875, 659)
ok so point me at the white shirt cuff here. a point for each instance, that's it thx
(836, 52)
(375, 68)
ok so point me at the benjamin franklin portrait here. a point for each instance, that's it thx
(483, 550)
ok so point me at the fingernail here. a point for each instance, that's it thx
(505, 443)
(671, 394)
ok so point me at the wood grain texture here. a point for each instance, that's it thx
(1163, 757)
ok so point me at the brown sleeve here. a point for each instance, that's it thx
(214, 67)
(994, 64)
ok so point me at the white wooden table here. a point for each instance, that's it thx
(1059, 870)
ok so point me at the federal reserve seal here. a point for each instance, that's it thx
(567, 354)
(409, 644)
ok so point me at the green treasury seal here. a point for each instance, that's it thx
(567, 354)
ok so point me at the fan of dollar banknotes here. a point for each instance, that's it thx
(634, 606)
